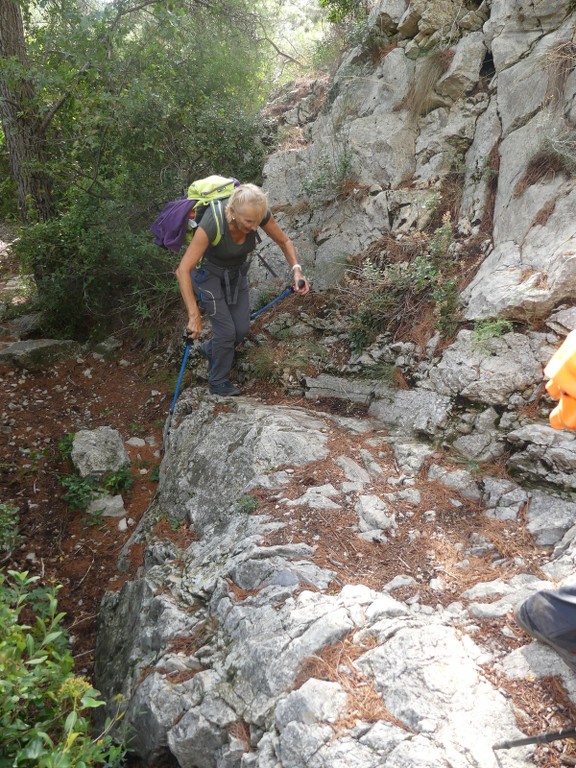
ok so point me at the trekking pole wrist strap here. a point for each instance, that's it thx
(295, 267)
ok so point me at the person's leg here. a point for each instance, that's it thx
(550, 616)
(229, 328)
(220, 348)
(240, 311)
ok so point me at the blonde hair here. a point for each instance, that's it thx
(247, 196)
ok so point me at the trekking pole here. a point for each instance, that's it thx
(177, 390)
(542, 738)
(286, 292)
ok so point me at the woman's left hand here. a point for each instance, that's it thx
(301, 284)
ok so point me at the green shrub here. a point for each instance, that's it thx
(392, 296)
(491, 328)
(370, 317)
(92, 272)
(264, 297)
(80, 491)
(119, 481)
(8, 197)
(65, 446)
(44, 708)
(247, 504)
(339, 10)
(9, 522)
(447, 305)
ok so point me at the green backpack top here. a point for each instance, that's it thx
(209, 193)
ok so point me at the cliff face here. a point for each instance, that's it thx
(480, 95)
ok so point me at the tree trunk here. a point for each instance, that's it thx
(21, 122)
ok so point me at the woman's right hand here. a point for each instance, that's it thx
(194, 327)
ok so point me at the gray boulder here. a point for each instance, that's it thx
(99, 452)
(38, 354)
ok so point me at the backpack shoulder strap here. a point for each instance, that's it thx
(218, 213)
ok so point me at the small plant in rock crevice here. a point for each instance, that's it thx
(65, 446)
(81, 491)
(491, 328)
(331, 170)
(391, 295)
(247, 504)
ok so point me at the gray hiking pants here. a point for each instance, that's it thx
(554, 613)
(224, 295)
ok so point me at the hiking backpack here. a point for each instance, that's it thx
(179, 218)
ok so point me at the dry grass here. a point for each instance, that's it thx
(493, 168)
(336, 663)
(240, 730)
(544, 214)
(559, 62)
(544, 167)
(291, 209)
(379, 54)
(421, 97)
(291, 137)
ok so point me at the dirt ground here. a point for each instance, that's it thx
(132, 391)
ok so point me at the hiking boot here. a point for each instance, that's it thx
(225, 389)
(528, 625)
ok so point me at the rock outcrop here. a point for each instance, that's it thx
(218, 646)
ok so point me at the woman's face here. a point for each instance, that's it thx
(247, 219)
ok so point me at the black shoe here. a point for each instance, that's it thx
(523, 619)
(225, 389)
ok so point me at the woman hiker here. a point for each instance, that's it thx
(219, 277)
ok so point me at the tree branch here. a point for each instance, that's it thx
(270, 42)
(49, 116)
(12, 103)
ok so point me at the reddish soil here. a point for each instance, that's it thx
(62, 544)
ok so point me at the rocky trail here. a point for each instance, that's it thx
(131, 391)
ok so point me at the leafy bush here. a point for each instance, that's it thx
(44, 708)
(339, 10)
(9, 522)
(91, 270)
(79, 491)
(119, 481)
